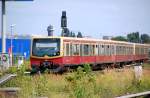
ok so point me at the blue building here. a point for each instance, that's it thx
(20, 46)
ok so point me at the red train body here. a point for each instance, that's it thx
(62, 52)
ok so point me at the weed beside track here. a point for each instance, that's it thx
(82, 83)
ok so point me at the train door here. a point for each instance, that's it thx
(75, 53)
(66, 54)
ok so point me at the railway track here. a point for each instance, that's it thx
(137, 95)
(9, 91)
(6, 77)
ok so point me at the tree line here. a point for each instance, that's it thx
(134, 37)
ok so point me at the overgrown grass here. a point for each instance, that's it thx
(83, 83)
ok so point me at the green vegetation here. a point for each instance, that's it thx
(134, 37)
(119, 38)
(82, 83)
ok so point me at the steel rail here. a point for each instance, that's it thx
(147, 93)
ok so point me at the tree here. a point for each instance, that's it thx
(119, 38)
(79, 35)
(145, 38)
(73, 34)
(133, 37)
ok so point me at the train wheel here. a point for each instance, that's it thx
(34, 70)
(42, 69)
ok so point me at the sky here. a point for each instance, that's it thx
(95, 18)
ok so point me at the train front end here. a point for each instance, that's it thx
(46, 54)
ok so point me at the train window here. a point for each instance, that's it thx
(99, 50)
(92, 50)
(96, 50)
(108, 47)
(71, 50)
(102, 50)
(127, 49)
(86, 50)
(108, 50)
(142, 50)
(121, 50)
(105, 48)
(81, 49)
(131, 50)
(113, 50)
(67, 50)
(75, 49)
(118, 50)
(124, 50)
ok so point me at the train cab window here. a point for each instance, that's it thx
(67, 50)
(86, 49)
(75, 49)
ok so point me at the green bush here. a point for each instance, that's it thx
(12, 70)
(82, 83)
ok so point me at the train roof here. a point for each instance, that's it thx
(92, 39)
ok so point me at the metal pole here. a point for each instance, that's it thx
(11, 43)
(3, 35)
(11, 47)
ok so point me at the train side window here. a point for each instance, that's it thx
(92, 50)
(99, 50)
(142, 50)
(111, 50)
(96, 50)
(81, 50)
(86, 49)
(127, 49)
(75, 49)
(71, 50)
(107, 50)
(102, 50)
(121, 50)
(67, 50)
(117, 50)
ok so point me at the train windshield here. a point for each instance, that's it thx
(46, 47)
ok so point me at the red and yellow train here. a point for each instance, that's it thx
(57, 53)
